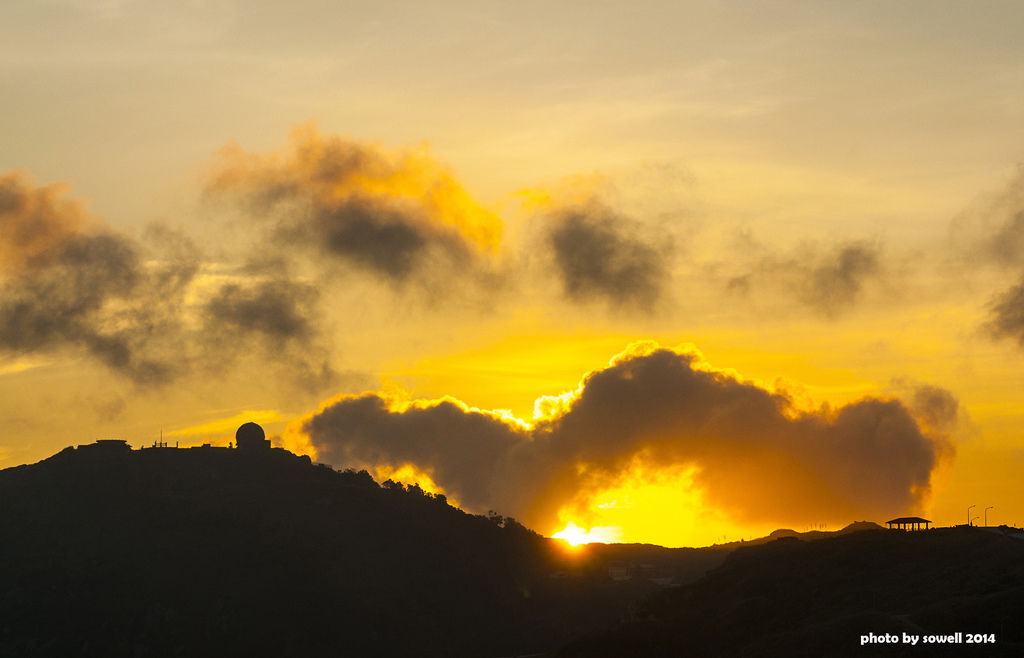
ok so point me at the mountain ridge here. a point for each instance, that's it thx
(162, 551)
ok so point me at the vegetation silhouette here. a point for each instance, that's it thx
(108, 551)
(816, 598)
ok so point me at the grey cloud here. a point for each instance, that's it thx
(1007, 244)
(759, 458)
(992, 230)
(279, 310)
(937, 407)
(992, 233)
(1006, 317)
(600, 255)
(33, 221)
(70, 282)
(345, 203)
(464, 448)
(61, 296)
(836, 282)
(367, 233)
(830, 282)
(280, 316)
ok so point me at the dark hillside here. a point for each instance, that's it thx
(815, 598)
(210, 551)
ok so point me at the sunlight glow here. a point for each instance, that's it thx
(650, 504)
(576, 536)
(410, 474)
(227, 426)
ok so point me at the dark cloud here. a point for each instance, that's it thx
(278, 310)
(66, 283)
(1006, 316)
(33, 221)
(830, 282)
(758, 457)
(1007, 244)
(991, 233)
(987, 238)
(94, 292)
(991, 230)
(367, 233)
(600, 255)
(835, 283)
(464, 448)
(397, 216)
(936, 407)
(280, 315)
(70, 282)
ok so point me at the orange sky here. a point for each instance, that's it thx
(217, 213)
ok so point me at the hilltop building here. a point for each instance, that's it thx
(908, 523)
(250, 437)
(107, 446)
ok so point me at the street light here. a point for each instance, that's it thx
(969, 513)
(972, 520)
(986, 514)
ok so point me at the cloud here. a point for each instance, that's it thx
(835, 282)
(277, 309)
(936, 407)
(462, 448)
(33, 220)
(397, 215)
(280, 314)
(752, 453)
(991, 231)
(1007, 244)
(602, 255)
(1006, 316)
(830, 282)
(67, 280)
(70, 282)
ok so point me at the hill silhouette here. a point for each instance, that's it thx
(817, 598)
(107, 551)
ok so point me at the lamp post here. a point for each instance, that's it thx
(972, 520)
(986, 514)
(969, 513)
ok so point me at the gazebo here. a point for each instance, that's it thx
(908, 523)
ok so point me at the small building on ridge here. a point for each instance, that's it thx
(908, 523)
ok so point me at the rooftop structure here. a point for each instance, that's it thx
(250, 436)
(107, 446)
(908, 523)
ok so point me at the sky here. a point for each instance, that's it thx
(678, 273)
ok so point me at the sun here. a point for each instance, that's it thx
(574, 535)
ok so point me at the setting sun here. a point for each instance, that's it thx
(576, 536)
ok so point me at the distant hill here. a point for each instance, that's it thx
(790, 597)
(105, 551)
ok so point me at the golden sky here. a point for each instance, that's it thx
(666, 272)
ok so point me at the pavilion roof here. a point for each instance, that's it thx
(909, 519)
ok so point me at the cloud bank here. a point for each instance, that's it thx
(755, 455)
(396, 215)
(70, 282)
